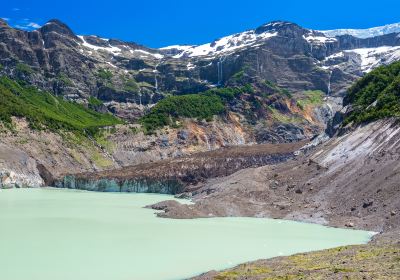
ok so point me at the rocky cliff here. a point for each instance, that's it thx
(127, 76)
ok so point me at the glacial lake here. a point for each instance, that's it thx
(48, 234)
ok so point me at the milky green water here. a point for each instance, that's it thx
(52, 234)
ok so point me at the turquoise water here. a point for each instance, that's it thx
(52, 234)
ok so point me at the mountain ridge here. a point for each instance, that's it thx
(129, 78)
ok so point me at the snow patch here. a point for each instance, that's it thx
(178, 47)
(224, 45)
(365, 33)
(374, 57)
(111, 49)
(320, 40)
(156, 55)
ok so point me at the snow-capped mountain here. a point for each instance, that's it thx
(365, 33)
(284, 53)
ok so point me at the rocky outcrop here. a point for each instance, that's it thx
(17, 169)
(180, 174)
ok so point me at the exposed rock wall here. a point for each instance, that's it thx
(17, 169)
(181, 174)
(130, 185)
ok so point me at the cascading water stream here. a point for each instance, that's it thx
(329, 82)
(219, 68)
(155, 75)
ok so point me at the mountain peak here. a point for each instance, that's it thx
(55, 25)
(275, 26)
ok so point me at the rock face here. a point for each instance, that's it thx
(180, 174)
(54, 58)
(17, 169)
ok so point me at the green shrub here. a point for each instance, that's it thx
(105, 74)
(238, 76)
(131, 86)
(65, 80)
(45, 111)
(202, 106)
(375, 96)
(168, 110)
(94, 101)
(311, 97)
(23, 69)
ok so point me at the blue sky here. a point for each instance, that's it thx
(157, 23)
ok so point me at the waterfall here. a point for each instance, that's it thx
(155, 75)
(140, 96)
(329, 82)
(219, 75)
(219, 69)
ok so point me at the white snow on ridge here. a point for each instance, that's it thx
(335, 55)
(178, 47)
(365, 33)
(156, 55)
(374, 57)
(224, 45)
(111, 49)
(313, 39)
(117, 51)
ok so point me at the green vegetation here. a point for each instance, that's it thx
(200, 106)
(105, 74)
(24, 69)
(228, 94)
(284, 118)
(274, 87)
(166, 111)
(131, 85)
(94, 101)
(65, 80)
(45, 111)
(311, 97)
(375, 96)
(238, 76)
(347, 262)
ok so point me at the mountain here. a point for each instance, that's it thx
(291, 78)
(284, 53)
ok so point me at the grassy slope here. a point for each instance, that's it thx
(350, 262)
(44, 110)
(375, 96)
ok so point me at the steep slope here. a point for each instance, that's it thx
(43, 110)
(350, 181)
(375, 96)
(281, 61)
(128, 76)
